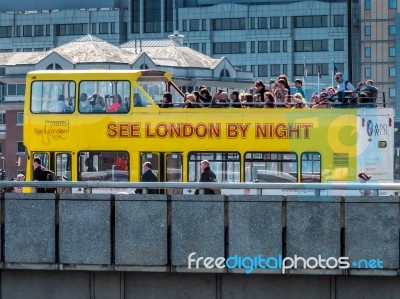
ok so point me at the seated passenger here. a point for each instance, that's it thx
(235, 101)
(369, 90)
(60, 105)
(220, 100)
(137, 101)
(281, 93)
(269, 100)
(100, 105)
(190, 102)
(166, 101)
(299, 101)
(205, 97)
(116, 103)
(92, 99)
(84, 105)
(320, 101)
(247, 100)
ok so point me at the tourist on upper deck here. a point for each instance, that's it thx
(287, 86)
(235, 101)
(220, 100)
(320, 101)
(299, 101)
(272, 85)
(369, 90)
(269, 100)
(343, 85)
(190, 102)
(299, 87)
(281, 93)
(137, 100)
(260, 89)
(166, 101)
(205, 97)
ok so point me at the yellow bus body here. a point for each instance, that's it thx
(333, 133)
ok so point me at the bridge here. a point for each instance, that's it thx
(150, 246)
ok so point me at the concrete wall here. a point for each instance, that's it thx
(137, 246)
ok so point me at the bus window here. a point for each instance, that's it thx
(177, 97)
(155, 89)
(270, 167)
(139, 99)
(104, 96)
(52, 97)
(174, 171)
(44, 158)
(154, 160)
(103, 166)
(63, 166)
(225, 165)
(310, 168)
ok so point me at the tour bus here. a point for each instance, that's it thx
(102, 125)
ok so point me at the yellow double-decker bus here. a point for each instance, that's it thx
(102, 125)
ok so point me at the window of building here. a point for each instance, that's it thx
(338, 20)
(135, 16)
(38, 49)
(284, 22)
(284, 46)
(262, 23)
(229, 24)
(20, 147)
(194, 25)
(367, 30)
(253, 47)
(312, 69)
(339, 44)
(20, 118)
(392, 92)
(94, 28)
(392, 4)
(275, 46)
(27, 30)
(392, 51)
(203, 25)
(253, 69)
(367, 4)
(112, 27)
(16, 89)
(169, 16)
(392, 72)
(47, 30)
(195, 46)
(275, 69)
(263, 70)
(103, 28)
(284, 68)
(39, 30)
(275, 22)
(311, 21)
(204, 48)
(5, 31)
(367, 52)
(310, 45)
(392, 29)
(367, 72)
(262, 47)
(225, 73)
(2, 118)
(71, 29)
(17, 31)
(229, 48)
(184, 25)
(27, 50)
(152, 16)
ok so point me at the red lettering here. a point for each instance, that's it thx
(231, 130)
(111, 130)
(148, 132)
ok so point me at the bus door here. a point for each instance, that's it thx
(58, 162)
(167, 167)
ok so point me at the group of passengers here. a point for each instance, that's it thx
(278, 94)
(96, 103)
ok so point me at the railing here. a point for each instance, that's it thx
(87, 186)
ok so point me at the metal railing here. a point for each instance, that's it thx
(88, 186)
